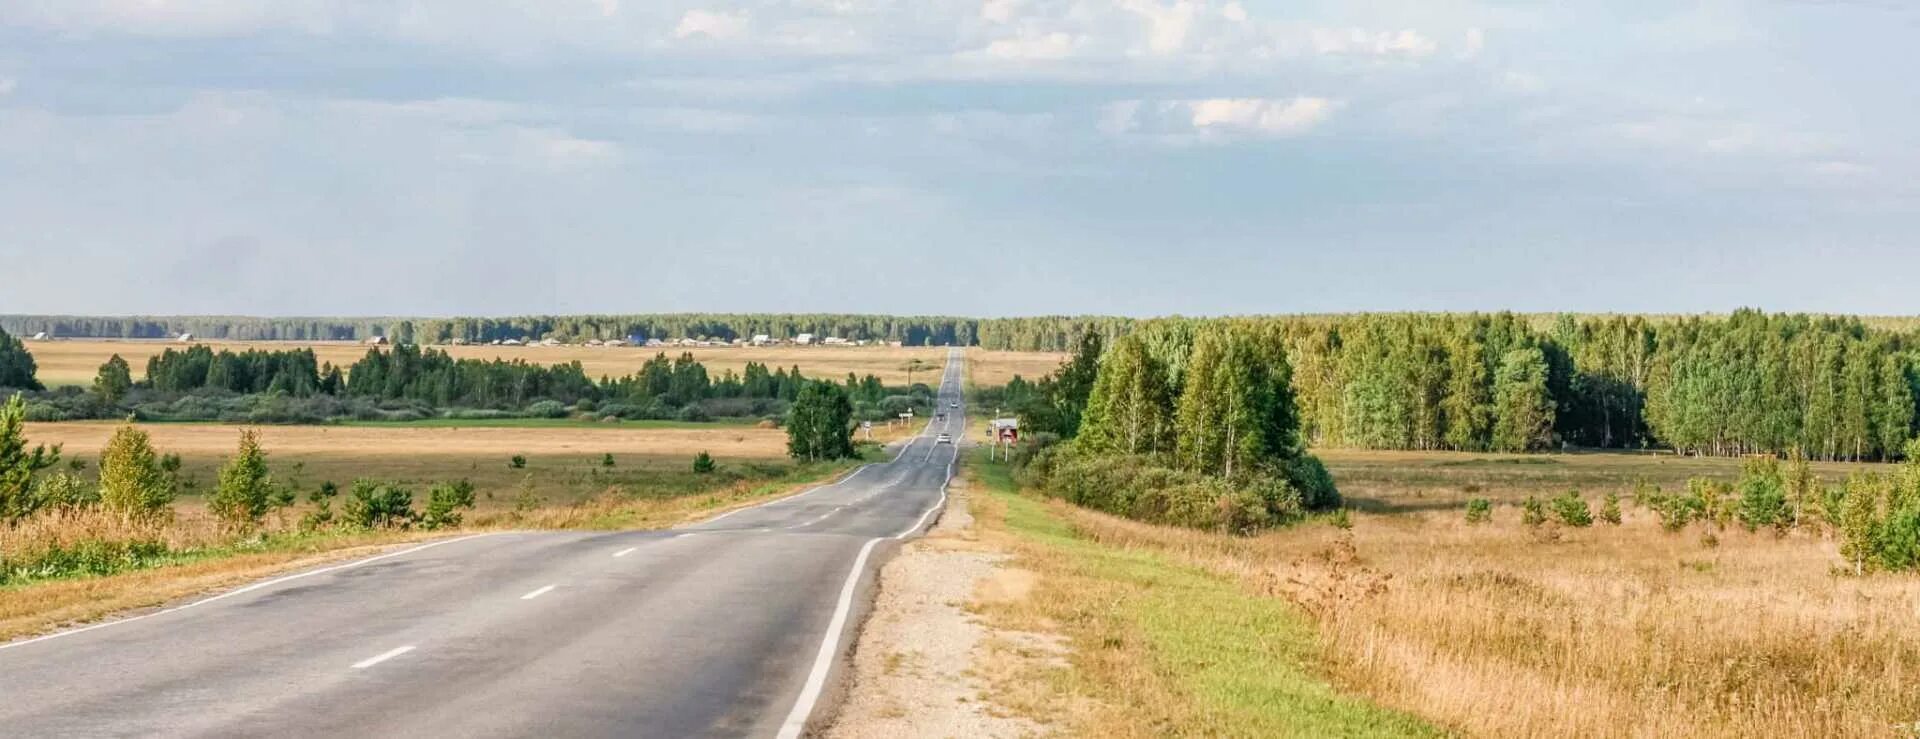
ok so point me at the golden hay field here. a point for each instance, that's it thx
(992, 367)
(1500, 629)
(76, 361)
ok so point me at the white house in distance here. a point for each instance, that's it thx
(377, 341)
(42, 336)
(835, 341)
(803, 339)
(185, 337)
(762, 339)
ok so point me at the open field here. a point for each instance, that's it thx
(991, 368)
(1501, 629)
(76, 361)
(1154, 646)
(1402, 481)
(563, 462)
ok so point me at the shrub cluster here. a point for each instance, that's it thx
(1140, 488)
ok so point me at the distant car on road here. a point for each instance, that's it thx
(943, 439)
(953, 404)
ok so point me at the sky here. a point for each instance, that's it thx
(977, 157)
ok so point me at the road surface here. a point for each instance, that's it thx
(732, 627)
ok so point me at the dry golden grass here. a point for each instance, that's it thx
(992, 368)
(1498, 630)
(76, 361)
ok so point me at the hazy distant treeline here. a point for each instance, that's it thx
(1035, 333)
(1052, 333)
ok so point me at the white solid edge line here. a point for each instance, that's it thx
(382, 657)
(625, 552)
(238, 591)
(537, 593)
(796, 722)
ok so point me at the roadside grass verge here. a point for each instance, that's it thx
(1162, 648)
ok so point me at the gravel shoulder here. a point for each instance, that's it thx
(926, 665)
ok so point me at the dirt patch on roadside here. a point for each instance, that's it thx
(926, 665)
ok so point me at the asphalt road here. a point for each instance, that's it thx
(734, 627)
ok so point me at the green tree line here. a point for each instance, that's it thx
(1750, 382)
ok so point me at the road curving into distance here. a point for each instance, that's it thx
(732, 627)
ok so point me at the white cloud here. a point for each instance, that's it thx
(1033, 46)
(1167, 27)
(558, 146)
(162, 18)
(719, 26)
(1234, 12)
(1216, 119)
(608, 8)
(998, 11)
(7, 85)
(1405, 42)
(1266, 117)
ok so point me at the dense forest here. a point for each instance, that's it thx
(1833, 388)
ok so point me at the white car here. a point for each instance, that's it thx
(943, 439)
(953, 404)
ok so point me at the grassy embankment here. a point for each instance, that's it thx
(1501, 629)
(1160, 647)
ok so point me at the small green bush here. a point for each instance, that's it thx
(1479, 510)
(1678, 510)
(373, 505)
(1141, 488)
(444, 503)
(606, 460)
(517, 462)
(1572, 510)
(703, 463)
(1763, 496)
